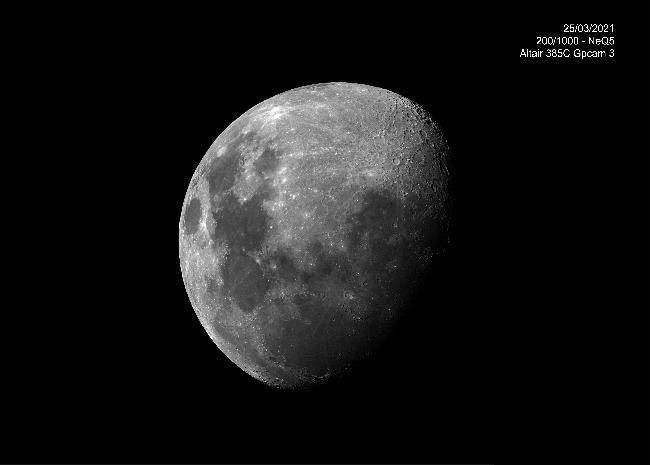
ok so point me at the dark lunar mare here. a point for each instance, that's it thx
(267, 163)
(381, 216)
(223, 171)
(192, 216)
(241, 226)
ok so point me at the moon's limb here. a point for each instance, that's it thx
(320, 208)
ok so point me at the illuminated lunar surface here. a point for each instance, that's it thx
(308, 225)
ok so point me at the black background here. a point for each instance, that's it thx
(529, 345)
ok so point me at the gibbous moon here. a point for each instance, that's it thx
(308, 225)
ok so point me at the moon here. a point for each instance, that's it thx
(308, 225)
